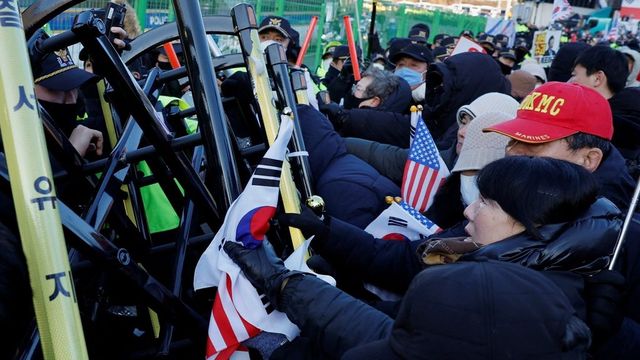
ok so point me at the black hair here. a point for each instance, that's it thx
(538, 190)
(611, 62)
(581, 140)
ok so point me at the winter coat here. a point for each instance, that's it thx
(626, 343)
(389, 160)
(353, 191)
(453, 311)
(615, 182)
(465, 77)
(581, 246)
(386, 123)
(625, 109)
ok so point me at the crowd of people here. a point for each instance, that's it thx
(543, 161)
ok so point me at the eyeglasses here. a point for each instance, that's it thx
(357, 87)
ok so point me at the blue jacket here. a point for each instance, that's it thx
(353, 191)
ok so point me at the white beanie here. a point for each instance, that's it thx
(481, 148)
(493, 101)
(535, 69)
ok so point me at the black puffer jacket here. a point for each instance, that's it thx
(625, 109)
(581, 246)
(615, 182)
(386, 123)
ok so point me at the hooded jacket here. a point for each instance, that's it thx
(353, 191)
(625, 109)
(635, 70)
(581, 246)
(458, 81)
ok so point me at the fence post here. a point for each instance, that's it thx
(402, 24)
(279, 7)
(259, 10)
(171, 16)
(318, 47)
(435, 28)
(141, 11)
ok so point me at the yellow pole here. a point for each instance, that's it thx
(264, 94)
(35, 200)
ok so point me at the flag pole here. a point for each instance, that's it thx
(625, 226)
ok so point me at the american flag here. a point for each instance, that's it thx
(424, 170)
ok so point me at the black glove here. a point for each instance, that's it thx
(335, 113)
(603, 297)
(262, 267)
(308, 222)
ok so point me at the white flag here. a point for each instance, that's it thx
(561, 10)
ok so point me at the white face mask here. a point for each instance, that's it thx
(264, 44)
(378, 65)
(469, 189)
(418, 93)
(325, 63)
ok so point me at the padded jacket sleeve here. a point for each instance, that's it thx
(385, 127)
(385, 263)
(389, 160)
(334, 321)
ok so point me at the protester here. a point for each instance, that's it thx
(506, 60)
(444, 314)
(522, 83)
(352, 190)
(633, 61)
(535, 69)
(564, 61)
(390, 160)
(478, 149)
(605, 70)
(573, 123)
(548, 230)
(377, 89)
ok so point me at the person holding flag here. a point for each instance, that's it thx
(429, 323)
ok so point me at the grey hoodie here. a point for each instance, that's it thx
(633, 74)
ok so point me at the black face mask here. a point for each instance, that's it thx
(64, 115)
(352, 102)
(506, 69)
(164, 65)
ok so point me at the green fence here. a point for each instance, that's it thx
(393, 19)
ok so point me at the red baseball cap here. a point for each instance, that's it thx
(557, 110)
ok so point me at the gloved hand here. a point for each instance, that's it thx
(603, 297)
(308, 222)
(262, 267)
(334, 112)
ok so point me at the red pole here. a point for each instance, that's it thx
(352, 48)
(171, 54)
(307, 41)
